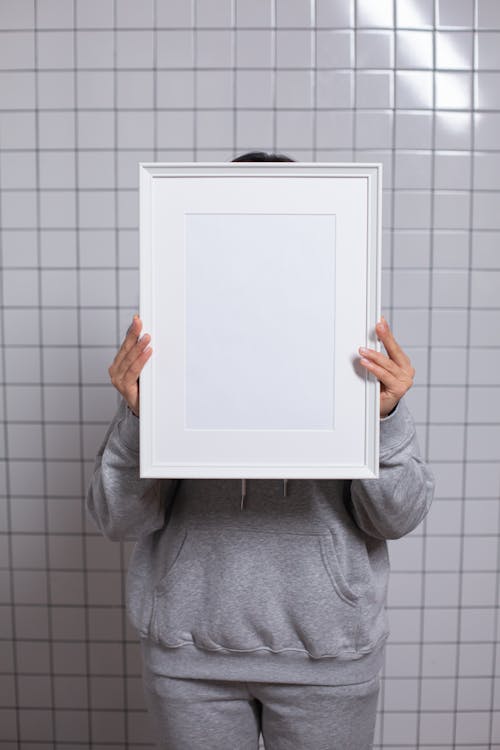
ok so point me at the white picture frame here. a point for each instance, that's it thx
(258, 283)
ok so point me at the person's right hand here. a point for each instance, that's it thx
(128, 363)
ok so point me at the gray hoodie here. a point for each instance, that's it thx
(287, 587)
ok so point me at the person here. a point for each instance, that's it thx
(265, 613)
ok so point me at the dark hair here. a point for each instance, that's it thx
(262, 156)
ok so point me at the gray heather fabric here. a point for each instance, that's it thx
(288, 589)
(224, 715)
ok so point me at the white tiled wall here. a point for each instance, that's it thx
(90, 87)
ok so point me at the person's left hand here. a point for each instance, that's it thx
(395, 371)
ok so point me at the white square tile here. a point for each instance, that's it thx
(54, 13)
(254, 88)
(477, 624)
(17, 90)
(214, 128)
(57, 169)
(438, 694)
(484, 366)
(374, 90)
(488, 14)
(25, 441)
(94, 49)
(254, 49)
(55, 49)
(411, 248)
(61, 402)
(97, 288)
(335, 13)
(95, 89)
(18, 15)
(453, 90)
(413, 130)
(175, 13)
(373, 130)
(454, 50)
(478, 589)
(175, 88)
(18, 130)
(96, 129)
(451, 13)
(485, 210)
(449, 328)
(375, 15)
(437, 727)
(404, 590)
(447, 404)
(294, 128)
(334, 49)
(414, 49)
(484, 288)
(488, 49)
(334, 89)
(452, 171)
(130, 13)
(134, 49)
(439, 659)
(446, 443)
(18, 169)
(411, 327)
(443, 553)
(411, 14)
(214, 49)
(17, 49)
(294, 13)
(475, 659)
(135, 129)
(448, 367)
(486, 171)
(255, 14)
(294, 48)
(215, 88)
(440, 626)
(294, 88)
(399, 728)
(412, 209)
(405, 628)
(56, 89)
(406, 554)
(254, 130)
(60, 328)
(19, 209)
(135, 89)
(450, 289)
(413, 170)
(413, 89)
(374, 49)
(451, 249)
(474, 693)
(480, 553)
(334, 129)
(484, 404)
(57, 209)
(482, 441)
(487, 130)
(453, 130)
(24, 403)
(486, 90)
(441, 589)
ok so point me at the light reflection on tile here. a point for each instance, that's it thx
(453, 90)
(454, 49)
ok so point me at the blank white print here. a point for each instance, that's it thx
(260, 321)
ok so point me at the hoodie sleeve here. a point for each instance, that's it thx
(122, 505)
(394, 504)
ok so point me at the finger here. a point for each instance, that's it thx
(386, 378)
(380, 359)
(392, 347)
(129, 341)
(120, 370)
(131, 376)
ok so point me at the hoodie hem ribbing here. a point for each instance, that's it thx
(191, 662)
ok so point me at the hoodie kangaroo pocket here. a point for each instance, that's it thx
(249, 590)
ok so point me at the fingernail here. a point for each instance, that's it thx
(362, 350)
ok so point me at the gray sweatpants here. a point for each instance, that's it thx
(192, 714)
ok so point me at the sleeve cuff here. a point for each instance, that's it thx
(128, 430)
(395, 428)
